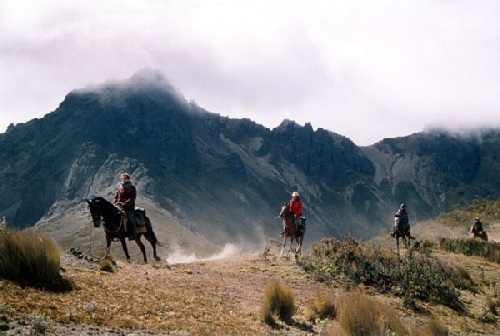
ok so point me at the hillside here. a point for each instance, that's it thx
(221, 296)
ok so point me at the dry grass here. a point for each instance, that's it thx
(360, 315)
(279, 302)
(322, 306)
(227, 298)
(29, 257)
(433, 328)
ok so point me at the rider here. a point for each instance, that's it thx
(125, 198)
(401, 217)
(296, 209)
(477, 227)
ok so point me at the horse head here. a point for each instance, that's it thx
(285, 210)
(95, 206)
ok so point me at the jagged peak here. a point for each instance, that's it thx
(286, 123)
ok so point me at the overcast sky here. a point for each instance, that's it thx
(367, 70)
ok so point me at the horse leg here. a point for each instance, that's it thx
(290, 249)
(152, 240)
(285, 238)
(299, 241)
(124, 246)
(397, 244)
(141, 246)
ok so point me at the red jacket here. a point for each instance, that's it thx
(296, 207)
(126, 194)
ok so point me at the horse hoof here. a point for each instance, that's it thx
(157, 258)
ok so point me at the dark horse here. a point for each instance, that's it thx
(478, 233)
(114, 226)
(290, 229)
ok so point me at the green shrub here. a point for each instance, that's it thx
(30, 258)
(279, 302)
(416, 276)
(472, 247)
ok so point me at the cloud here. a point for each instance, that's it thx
(365, 69)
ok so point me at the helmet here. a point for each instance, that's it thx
(402, 206)
(295, 194)
(477, 218)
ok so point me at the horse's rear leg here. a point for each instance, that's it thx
(142, 247)
(299, 247)
(153, 241)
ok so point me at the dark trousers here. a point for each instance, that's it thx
(130, 222)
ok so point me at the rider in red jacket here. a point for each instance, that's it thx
(296, 205)
(296, 210)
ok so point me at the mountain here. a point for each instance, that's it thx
(206, 180)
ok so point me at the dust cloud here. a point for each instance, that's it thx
(178, 256)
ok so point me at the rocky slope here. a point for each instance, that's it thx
(213, 180)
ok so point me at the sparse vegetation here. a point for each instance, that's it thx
(487, 209)
(107, 264)
(31, 258)
(472, 247)
(279, 302)
(416, 276)
(492, 305)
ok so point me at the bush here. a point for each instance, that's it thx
(472, 247)
(279, 302)
(360, 315)
(416, 276)
(322, 306)
(30, 258)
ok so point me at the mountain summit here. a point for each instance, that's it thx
(222, 179)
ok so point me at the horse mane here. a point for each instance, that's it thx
(99, 199)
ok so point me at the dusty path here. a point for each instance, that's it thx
(202, 298)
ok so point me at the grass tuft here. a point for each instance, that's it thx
(360, 315)
(435, 328)
(322, 306)
(279, 302)
(31, 258)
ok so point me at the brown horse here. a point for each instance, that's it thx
(290, 229)
(114, 226)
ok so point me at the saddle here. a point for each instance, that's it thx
(140, 217)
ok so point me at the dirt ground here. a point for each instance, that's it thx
(222, 297)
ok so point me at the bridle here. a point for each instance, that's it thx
(98, 218)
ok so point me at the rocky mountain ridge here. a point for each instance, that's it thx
(223, 179)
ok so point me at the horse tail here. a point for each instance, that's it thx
(149, 228)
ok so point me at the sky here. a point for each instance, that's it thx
(365, 69)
